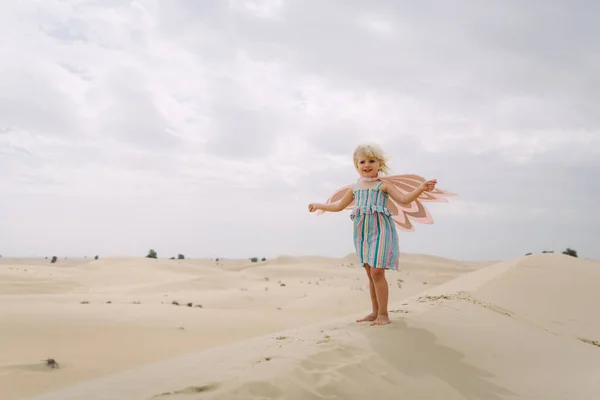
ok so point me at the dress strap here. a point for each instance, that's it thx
(378, 184)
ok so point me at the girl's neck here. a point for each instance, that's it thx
(366, 179)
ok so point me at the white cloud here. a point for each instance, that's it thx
(379, 25)
(259, 8)
(194, 126)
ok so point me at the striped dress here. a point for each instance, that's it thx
(375, 235)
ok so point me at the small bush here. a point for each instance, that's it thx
(180, 257)
(54, 258)
(570, 252)
(254, 259)
(51, 362)
(152, 254)
(95, 258)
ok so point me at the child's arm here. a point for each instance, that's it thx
(410, 197)
(339, 205)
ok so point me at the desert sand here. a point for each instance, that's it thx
(527, 328)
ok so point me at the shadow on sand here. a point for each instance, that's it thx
(414, 352)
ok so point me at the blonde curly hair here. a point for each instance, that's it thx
(371, 150)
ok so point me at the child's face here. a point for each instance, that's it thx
(368, 167)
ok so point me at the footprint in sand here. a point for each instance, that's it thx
(190, 390)
(326, 339)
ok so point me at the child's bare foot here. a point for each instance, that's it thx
(370, 317)
(381, 320)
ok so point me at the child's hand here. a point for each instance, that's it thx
(312, 207)
(429, 185)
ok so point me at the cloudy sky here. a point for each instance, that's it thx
(206, 127)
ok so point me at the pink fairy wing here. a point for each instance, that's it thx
(416, 210)
(337, 195)
(408, 183)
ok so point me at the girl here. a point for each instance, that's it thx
(375, 236)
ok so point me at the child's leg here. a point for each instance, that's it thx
(381, 291)
(373, 315)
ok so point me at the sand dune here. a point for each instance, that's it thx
(99, 317)
(522, 329)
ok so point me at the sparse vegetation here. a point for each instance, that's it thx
(54, 258)
(263, 259)
(152, 254)
(51, 362)
(180, 257)
(254, 259)
(569, 252)
(95, 258)
(188, 304)
(589, 341)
